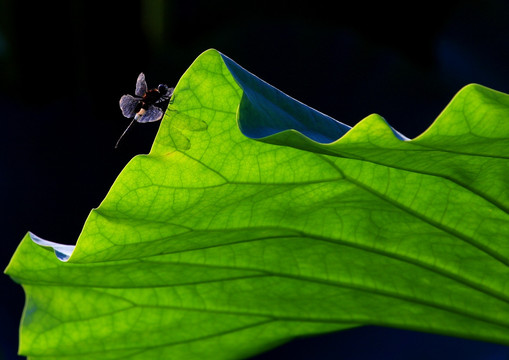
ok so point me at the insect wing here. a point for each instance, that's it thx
(153, 113)
(141, 85)
(166, 96)
(128, 104)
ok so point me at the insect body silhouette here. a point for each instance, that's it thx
(145, 105)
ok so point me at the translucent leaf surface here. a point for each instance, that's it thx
(255, 219)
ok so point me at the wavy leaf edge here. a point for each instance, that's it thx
(298, 138)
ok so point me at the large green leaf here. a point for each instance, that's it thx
(249, 223)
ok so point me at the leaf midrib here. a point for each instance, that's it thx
(266, 274)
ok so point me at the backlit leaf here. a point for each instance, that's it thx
(255, 219)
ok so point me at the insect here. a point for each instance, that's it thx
(145, 105)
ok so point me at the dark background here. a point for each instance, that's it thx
(63, 68)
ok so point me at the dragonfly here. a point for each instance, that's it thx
(145, 105)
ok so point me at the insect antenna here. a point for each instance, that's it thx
(121, 136)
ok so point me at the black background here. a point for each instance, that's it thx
(64, 66)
